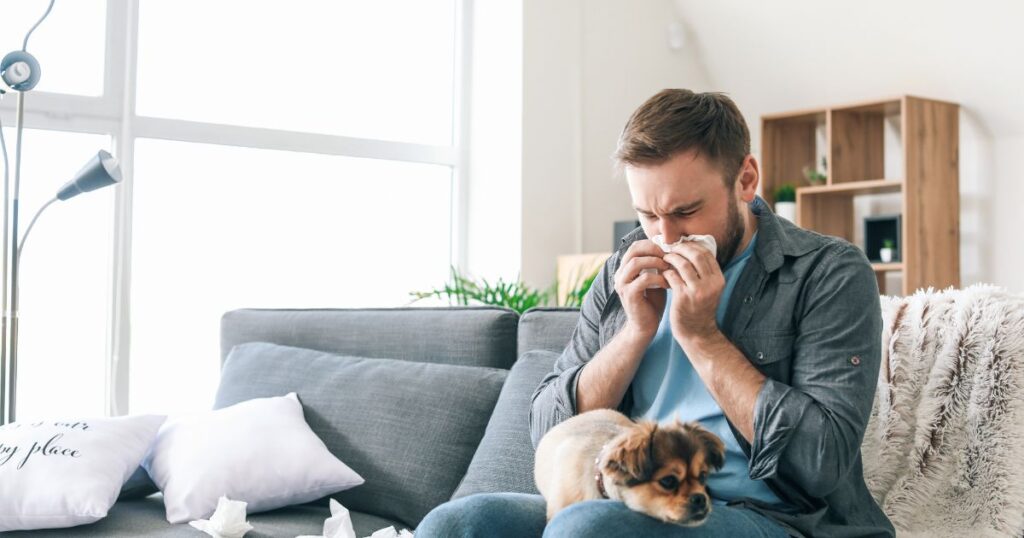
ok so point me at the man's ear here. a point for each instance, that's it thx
(714, 448)
(748, 178)
(628, 457)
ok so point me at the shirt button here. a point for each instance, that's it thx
(747, 299)
(760, 355)
(855, 360)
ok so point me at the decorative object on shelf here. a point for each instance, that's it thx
(814, 177)
(19, 72)
(883, 233)
(620, 228)
(885, 253)
(785, 201)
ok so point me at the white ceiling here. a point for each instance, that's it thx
(780, 55)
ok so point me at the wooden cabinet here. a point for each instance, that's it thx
(906, 147)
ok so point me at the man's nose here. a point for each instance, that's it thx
(669, 232)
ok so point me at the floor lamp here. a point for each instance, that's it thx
(19, 71)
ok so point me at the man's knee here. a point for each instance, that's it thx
(461, 517)
(488, 514)
(587, 518)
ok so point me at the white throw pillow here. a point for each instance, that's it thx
(259, 451)
(56, 474)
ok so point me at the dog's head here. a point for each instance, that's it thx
(661, 470)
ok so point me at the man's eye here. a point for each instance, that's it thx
(669, 482)
(703, 477)
(687, 214)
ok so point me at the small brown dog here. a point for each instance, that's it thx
(659, 470)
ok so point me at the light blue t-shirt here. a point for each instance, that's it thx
(667, 386)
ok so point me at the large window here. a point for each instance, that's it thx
(295, 157)
(270, 229)
(368, 69)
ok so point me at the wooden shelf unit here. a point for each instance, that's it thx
(852, 138)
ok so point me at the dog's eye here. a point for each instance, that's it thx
(669, 482)
(703, 477)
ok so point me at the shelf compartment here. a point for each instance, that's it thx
(791, 142)
(858, 137)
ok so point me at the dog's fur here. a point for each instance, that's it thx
(637, 462)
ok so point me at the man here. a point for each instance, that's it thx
(774, 345)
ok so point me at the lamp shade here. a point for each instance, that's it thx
(19, 71)
(100, 171)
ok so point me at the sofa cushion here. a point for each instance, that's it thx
(64, 473)
(504, 460)
(145, 517)
(260, 451)
(471, 336)
(546, 328)
(409, 429)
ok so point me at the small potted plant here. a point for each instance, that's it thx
(815, 177)
(785, 201)
(885, 253)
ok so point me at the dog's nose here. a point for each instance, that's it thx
(698, 500)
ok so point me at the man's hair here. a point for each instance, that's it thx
(677, 120)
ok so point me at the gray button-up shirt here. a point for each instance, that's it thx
(806, 313)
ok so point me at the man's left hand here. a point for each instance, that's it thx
(697, 283)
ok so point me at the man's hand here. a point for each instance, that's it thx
(697, 283)
(644, 307)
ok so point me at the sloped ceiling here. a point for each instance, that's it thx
(780, 55)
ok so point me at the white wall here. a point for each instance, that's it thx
(586, 66)
(551, 125)
(494, 220)
(775, 56)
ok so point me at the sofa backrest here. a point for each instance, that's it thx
(365, 430)
(468, 336)
(546, 329)
(504, 459)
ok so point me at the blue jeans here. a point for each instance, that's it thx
(518, 515)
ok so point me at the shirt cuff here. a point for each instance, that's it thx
(778, 411)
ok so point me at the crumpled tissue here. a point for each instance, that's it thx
(390, 532)
(708, 241)
(227, 521)
(339, 525)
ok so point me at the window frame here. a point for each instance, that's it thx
(113, 114)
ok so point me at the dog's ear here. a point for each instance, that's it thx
(629, 457)
(714, 448)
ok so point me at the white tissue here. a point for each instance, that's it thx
(227, 521)
(390, 532)
(339, 525)
(707, 241)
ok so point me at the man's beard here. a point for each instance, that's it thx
(733, 234)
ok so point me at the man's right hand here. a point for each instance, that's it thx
(644, 307)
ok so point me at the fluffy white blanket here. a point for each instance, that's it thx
(944, 449)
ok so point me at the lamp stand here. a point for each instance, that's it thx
(9, 349)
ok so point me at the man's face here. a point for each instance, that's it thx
(686, 195)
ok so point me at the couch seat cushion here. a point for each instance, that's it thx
(145, 518)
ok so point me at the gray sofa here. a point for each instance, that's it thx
(480, 449)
